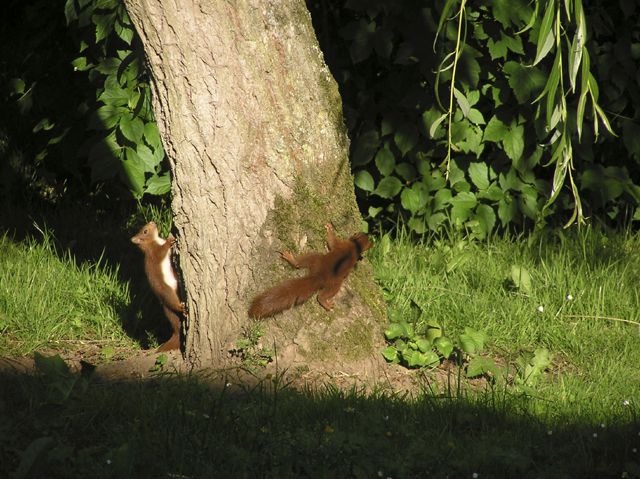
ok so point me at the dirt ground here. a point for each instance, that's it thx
(130, 365)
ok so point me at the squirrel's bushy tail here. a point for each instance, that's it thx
(283, 296)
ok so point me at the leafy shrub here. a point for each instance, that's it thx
(487, 114)
(126, 141)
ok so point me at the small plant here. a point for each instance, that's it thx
(529, 368)
(428, 346)
(161, 362)
(249, 349)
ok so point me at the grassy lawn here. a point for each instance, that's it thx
(582, 304)
(574, 296)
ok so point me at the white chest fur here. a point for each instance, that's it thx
(168, 275)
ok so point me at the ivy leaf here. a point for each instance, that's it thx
(441, 199)
(513, 142)
(529, 202)
(114, 96)
(476, 117)
(365, 147)
(125, 32)
(492, 193)
(469, 68)
(465, 199)
(497, 48)
(479, 174)
(374, 211)
(391, 354)
(444, 346)
(364, 180)
(109, 66)
(472, 142)
(151, 135)
(495, 131)
(70, 11)
(524, 81)
(388, 187)
(416, 359)
(417, 225)
(424, 345)
(133, 169)
(361, 45)
(435, 220)
(406, 170)
(486, 220)
(513, 43)
(406, 138)
(395, 330)
(480, 366)
(80, 64)
(385, 161)
(132, 128)
(509, 12)
(434, 330)
(105, 117)
(158, 184)
(104, 25)
(472, 341)
(415, 198)
(146, 156)
(507, 209)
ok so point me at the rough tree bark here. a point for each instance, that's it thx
(251, 120)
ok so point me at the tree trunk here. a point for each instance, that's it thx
(251, 120)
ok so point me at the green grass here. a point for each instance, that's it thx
(47, 299)
(574, 423)
(585, 281)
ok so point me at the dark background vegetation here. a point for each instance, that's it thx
(76, 126)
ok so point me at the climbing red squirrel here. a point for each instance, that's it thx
(327, 272)
(162, 279)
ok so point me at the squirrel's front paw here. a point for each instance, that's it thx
(288, 256)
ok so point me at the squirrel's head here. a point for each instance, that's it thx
(361, 242)
(148, 232)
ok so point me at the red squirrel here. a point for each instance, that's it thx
(162, 279)
(327, 272)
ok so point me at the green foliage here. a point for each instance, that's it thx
(249, 348)
(426, 345)
(486, 115)
(125, 141)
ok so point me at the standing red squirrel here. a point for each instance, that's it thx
(162, 279)
(327, 272)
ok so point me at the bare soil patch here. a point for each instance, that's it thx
(132, 365)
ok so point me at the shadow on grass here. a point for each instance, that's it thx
(189, 426)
